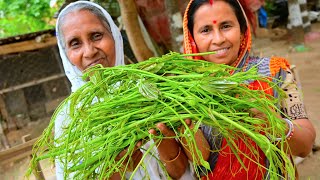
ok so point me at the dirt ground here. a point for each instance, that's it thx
(308, 66)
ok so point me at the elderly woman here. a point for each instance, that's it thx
(88, 36)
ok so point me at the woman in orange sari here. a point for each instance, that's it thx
(222, 26)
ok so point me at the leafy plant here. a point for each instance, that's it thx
(270, 7)
(25, 16)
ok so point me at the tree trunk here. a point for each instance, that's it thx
(175, 21)
(306, 24)
(129, 16)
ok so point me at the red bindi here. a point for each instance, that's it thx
(211, 2)
(214, 21)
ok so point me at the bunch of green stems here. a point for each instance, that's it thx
(117, 106)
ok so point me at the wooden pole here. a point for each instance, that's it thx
(27, 45)
(3, 139)
(3, 115)
(31, 83)
(17, 152)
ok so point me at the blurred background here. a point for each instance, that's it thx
(33, 83)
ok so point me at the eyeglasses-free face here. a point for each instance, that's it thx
(216, 28)
(88, 41)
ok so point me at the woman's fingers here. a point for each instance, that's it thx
(167, 132)
(133, 159)
(121, 154)
(189, 124)
(124, 152)
(164, 130)
(153, 131)
(168, 147)
(257, 114)
(169, 150)
(188, 121)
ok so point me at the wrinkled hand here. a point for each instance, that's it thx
(131, 162)
(168, 147)
(170, 151)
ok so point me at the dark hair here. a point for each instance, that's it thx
(194, 6)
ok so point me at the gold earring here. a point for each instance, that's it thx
(242, 44)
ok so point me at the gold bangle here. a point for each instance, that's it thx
(169, 161)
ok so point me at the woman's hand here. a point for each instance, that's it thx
(170, 152)
(255, 113)
(131, 162)
(303, 137)
(201, 143)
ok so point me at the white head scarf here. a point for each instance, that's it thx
(72, 72)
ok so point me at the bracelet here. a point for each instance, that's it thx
(288, 137)
(290, 132)
(175, 157)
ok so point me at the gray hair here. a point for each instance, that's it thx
(79, 7)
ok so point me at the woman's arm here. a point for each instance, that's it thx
(201, 143)
(303, 138)
(304, 133)
(171, 153)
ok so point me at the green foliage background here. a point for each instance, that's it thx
(25, 16)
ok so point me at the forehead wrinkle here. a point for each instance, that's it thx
(100, 26)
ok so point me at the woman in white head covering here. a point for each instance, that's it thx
(72, 72)
(88, 36)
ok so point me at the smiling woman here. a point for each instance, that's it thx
(86, 36)
(218, 29)
(222, 26)
(88, 40)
